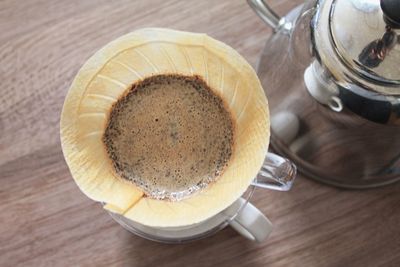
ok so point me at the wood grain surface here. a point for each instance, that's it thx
(46, 221)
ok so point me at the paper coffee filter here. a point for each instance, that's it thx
(109, 74)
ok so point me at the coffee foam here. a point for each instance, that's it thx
(170, 135)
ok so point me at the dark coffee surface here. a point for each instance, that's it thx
(170, 135)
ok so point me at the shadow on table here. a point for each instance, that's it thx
(318, 225)
(314, 225)
(225, 248)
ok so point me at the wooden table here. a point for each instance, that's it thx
(46, 221)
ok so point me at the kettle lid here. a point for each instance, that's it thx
(365, 36)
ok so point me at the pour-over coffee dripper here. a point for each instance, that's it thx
(277, 173)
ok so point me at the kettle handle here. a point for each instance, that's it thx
(265, 12)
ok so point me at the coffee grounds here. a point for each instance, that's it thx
(170, 135)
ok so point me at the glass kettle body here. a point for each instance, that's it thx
(331, 72)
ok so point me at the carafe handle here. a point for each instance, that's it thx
(277, 173)
(265, 12)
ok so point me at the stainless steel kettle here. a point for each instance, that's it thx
(331, 72)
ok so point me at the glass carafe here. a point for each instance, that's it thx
(331, 72)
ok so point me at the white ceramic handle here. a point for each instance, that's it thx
(251, 222)
(277, 173)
